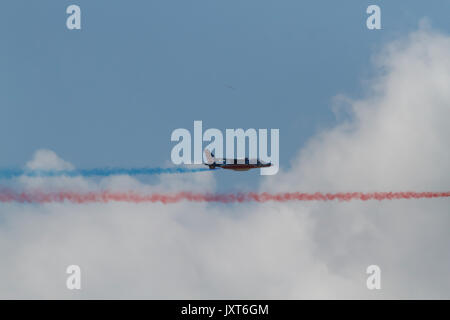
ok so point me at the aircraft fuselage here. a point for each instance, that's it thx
(239, 166)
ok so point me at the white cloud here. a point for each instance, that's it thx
(397, 140)
(48, 160)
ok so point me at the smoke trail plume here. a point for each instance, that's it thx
(7, 196)
(96, 172)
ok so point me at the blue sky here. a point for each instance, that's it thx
(112, 93)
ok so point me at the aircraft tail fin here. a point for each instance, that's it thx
(210, 160)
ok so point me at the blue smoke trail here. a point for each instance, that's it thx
(96, 172)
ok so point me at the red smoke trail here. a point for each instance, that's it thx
(133, 197)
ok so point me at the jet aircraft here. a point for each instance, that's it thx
(233, 164)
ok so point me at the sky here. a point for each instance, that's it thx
(357, 109)
(112, 93)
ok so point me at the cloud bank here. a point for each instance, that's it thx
(396, 140)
